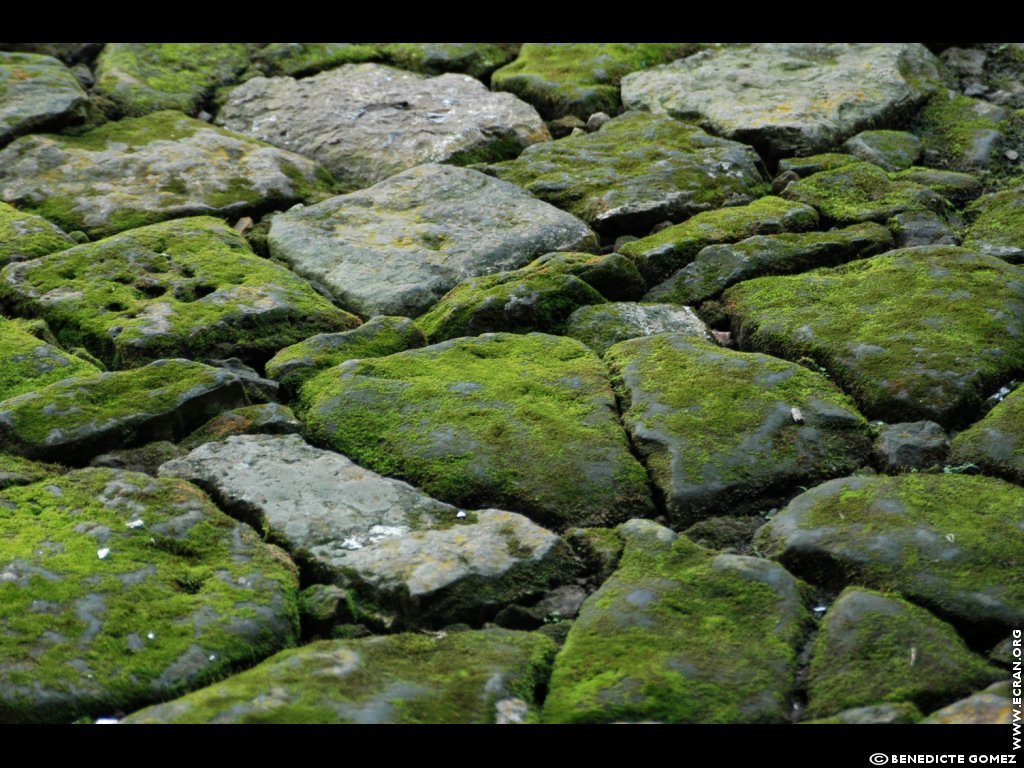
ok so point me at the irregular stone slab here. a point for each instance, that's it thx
(918, 333)
(24, 236)
(580, 79)
(914, 228)
(726, 534)
(257, 388)
(70, 53)
(426, 562)
(37, 93)
(727, 432)
(189, 287)
(890, 150)
(637, 171)
(264, 419)
(811, 164)
(537, 297)
(604, 325)
(790, 98)
(366, 122)
(919, 445)
(719, 266)
(14, 470)
(489, 676)
(874, 648)
(960, 132)
(75, 419)
(948, 542)
(876, 714)
(521, 422)
(990, 707)
(399, 246)
(27, 363)
(997, 225)
(679, 636)
(139, 171)
(147, 458)
(996, 443)
(958, 188)
(378, 336)
(120, 590)
(861, 192)
(138, 78)
(657, 256)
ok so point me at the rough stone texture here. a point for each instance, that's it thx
(996, 443)
(716, 428)
(790, 98)
(639, 652)
(464, 677)
(146, 458)
(28, 363)
(378, 336)
(391, 545)
(24, 236)
(657, 256)
(264, 419)
(958, 188)
(139, 78)
(604, 325)
(997, 225)
(14, 470)
(187, 287)
(917, 333)
(637, 171)
(717, 267)
(890, 150)
(37, 93)
(876, 714)
(366, 122)
(962, 133)
(951, 543)
(911, 446)
(69, 53)
(118, 590)
(914, 228)
(75, 419)
(991, 707)
(142, 170)
(811, 164)
(520, 422)
(874, 648)
(400, 245)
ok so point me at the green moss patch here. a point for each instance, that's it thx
(24, 236)
(996, 443)
(997, 225)
(27, 363)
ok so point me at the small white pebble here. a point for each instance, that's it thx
(102, 553)
(151, 635)
(136, 523)
(106, 721)
(213, 657)
(460, 514)
(797, 414)
(950, 537)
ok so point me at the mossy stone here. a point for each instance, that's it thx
(27, 363)
(960, 132)
(24, 236)
(875, 714)
(958, 188)
(996, 443)
(811, 164)
(16, 470)
(890, 150)
(997, 225)
(37, 93)
(146, 458)
(602, 326)
(261, 419)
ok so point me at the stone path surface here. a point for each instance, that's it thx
(511, 382)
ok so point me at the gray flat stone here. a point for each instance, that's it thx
(37, 93)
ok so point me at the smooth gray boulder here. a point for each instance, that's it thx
(37, 93)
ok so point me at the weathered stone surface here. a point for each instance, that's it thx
(37, 93)
(118, 590)
(142, 170)
(489, 676)
(996, 443)
(604, 325)
(69, 53)
(139, 78)
(811, 164)
(677, 635)
(147, 458)
(958, 188)
(378, 336)
(28, 363)
(400, 245)
(75, 419)
(580, 79)
(917, 333)
(24, 236)
(913, 228)
(997, 225)
(911, 446)
(790, 98)
(15, 470)
(890, 150)
(990, 707)
(263, 419)
(962, 133)
(187, 287)
(726, 432)
(726, 533)
(719, 266)
(520, 422)
(951, 543)
(391, 545)
(874, 648)
(876, 714)
(657, 256)
(636, 171)
(366, 122)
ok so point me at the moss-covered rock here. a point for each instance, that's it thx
(580, 78)
(138, 78)
(917, 333)
(147, 458)
(677, 635)
(717, 267)
(188, 287)
(37, 93)
(24, 236)
(15, 470)
(961, 133)
(142, 170)
(911, 446)
(118, 590)
(657, 256)
(637, 171)
(69, 53)
(262, 419)
(490, 676)
(27, 363)
(602, 326)
(861, 192)
(997, 225)
(890, 150)
(726, 534)
(725, 432)
(811, 164)
(958, 188)
(951, 543)
(986, 708)
(600, 550)
(519, 422)
(874, 648)
(996, 443)
(876, 714)
(75, 419)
